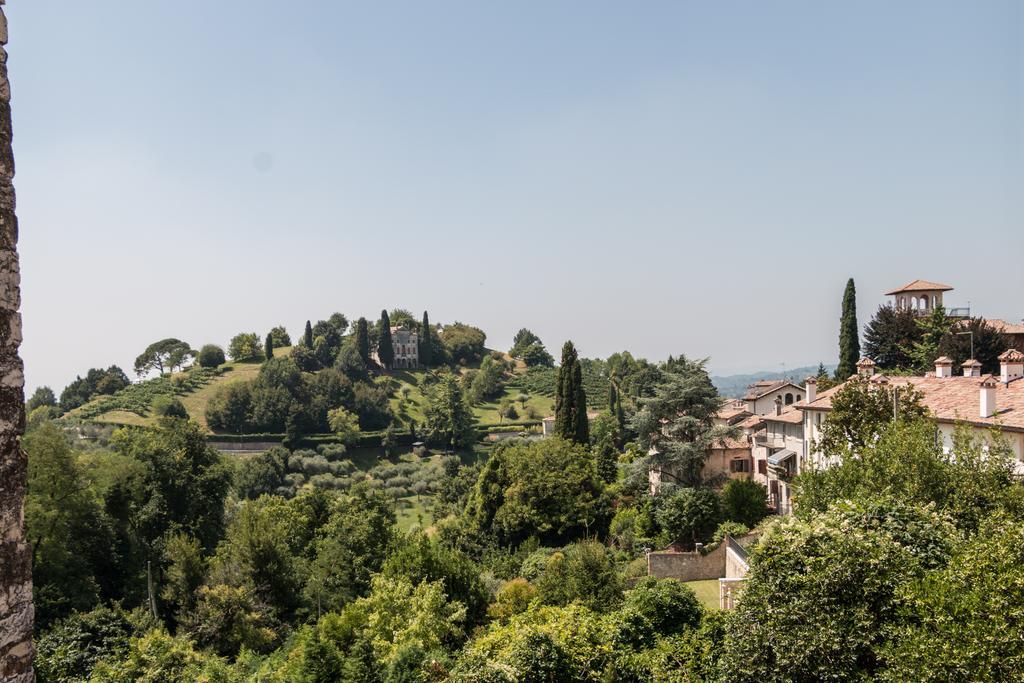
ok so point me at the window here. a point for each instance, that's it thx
(789, 399)
(739, 466)
(762, 467)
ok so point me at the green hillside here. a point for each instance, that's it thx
(530, 391)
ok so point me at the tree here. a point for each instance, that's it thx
(245, 346)
(933, 329)
(860, 411)
(464, 343)
(210, 356)
(268, 346)
(676, 425)
(822, 596)
(448, 420)
(385, 347)
(744, 501)
(489, 381)
(280, 337)
(426, 343)
(690, 514)
(345, 425)
(230, 408)
(849, 334)
(548, 489)
(71, 540)
(69, 651)
(307, 336)
(349, 549)
(16, 571)
(169, 406)
(987, 342)
(371, 404)
(582, 572)
(528, 347)
(570, 398)
(888, 336)
(165, 355)
(42, 396)
(420, 559)
(363, 340)
(968, 616)
(523, 339)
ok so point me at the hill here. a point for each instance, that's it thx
(734, 386)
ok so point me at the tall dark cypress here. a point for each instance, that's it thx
(581, 423)
(849, 334)
(385, 348)
(307, 338)
(613, 396)
(363, 339)
(564, 393)
(426, 344)
(269, 346)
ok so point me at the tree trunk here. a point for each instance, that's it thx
(16, 649)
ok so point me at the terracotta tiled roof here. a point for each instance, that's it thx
(954, 399)
(731, 410)
(1007, 327)
(943, 360)
(1011, 356)
(920, 286)
(765, 387)
(971, 363)
(790, 416)
(751, 422)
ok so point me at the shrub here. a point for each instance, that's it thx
(169, 406)
(210, 356)
(744, 501)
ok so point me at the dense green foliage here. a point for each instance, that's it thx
(571, 421)
(166, 355)
(210, 356)
(97, 382)
(849, 334)
(245, 346)
(889, 335)
(385, 347)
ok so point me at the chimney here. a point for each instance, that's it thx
(988, 395)
(943, 366)
(865, 367)
(811, 388)
(1011, 365)
(972, 368)
(778, 405)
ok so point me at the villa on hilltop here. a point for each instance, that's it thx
(406, 344)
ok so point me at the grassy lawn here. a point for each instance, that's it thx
(707, 592)
(414, 511)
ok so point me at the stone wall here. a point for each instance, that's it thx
(691, 566)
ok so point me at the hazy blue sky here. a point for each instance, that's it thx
(678, 177)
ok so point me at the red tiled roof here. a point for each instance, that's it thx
(765, 387)
(1007, 327)
(789, 416)
(954, 399)
(920, 286)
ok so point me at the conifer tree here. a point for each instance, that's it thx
(269, 346)
(307, 338)
(613, 396)
(570, 399)
(581, 423)
(363, 339)
(385, 348)
(849, 334)
(564, 393)
(426, 345)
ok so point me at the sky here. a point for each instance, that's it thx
(664, 177)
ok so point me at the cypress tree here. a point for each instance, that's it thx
(426, 345)
(613, 396)
(385, 348)
(564, 393)
(849, 334)
(269, 346)
(363, 339)
(581, 423)
(307, 338)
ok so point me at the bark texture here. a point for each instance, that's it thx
(16, 650)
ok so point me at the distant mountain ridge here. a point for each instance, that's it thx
(735, 386)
